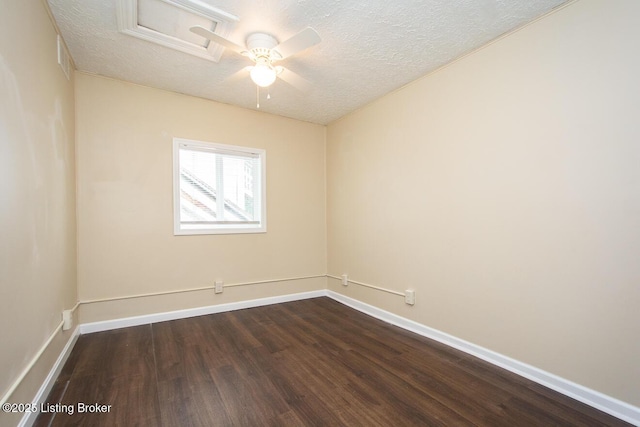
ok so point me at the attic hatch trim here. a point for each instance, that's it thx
(127, 14)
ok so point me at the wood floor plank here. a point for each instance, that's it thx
(113, 368)
(575, 413)
(187, 395)
(314, 362)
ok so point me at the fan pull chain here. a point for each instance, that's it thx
(258, 95)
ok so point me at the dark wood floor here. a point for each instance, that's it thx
(311, 362)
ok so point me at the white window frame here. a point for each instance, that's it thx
(235, 228)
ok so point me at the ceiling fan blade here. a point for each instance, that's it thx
(207, 34)
(299, 42)
(294, 80)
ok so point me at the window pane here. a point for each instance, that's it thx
(238, 188)
(197, 186)
(218, 188)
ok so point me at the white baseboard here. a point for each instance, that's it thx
(107, 325)
(30, 417)
(602, 402)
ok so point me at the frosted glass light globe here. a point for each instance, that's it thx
(263, 74)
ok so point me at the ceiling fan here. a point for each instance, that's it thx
(264, 50)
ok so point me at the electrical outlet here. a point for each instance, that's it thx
(410, 297)
(219, 286)
(345, 280)
(67, 319)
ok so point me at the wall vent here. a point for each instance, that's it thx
(63, 58)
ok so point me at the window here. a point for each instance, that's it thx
(218, 189)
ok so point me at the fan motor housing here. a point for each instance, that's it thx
(261, 41)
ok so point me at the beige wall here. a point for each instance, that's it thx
(505, 189)
(37, 196)
(125, 213)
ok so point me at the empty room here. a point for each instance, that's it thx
(357, 213)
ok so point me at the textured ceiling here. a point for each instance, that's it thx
(368, 49)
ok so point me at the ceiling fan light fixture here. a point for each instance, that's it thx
(264, 50)
(263, 74)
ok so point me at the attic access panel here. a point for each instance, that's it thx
(167, 23)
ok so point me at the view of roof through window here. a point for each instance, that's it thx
(217, 188)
